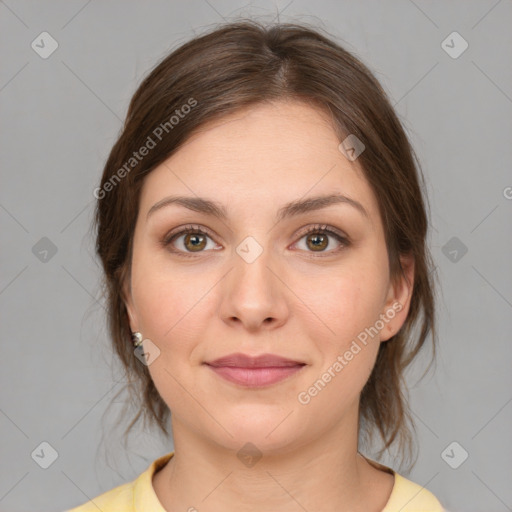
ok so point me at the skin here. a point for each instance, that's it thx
(294, 300)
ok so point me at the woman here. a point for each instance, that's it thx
(262, 229)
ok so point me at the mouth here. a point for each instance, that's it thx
(255, 377)
(254, 372)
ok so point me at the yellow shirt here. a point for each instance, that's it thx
(139, 495)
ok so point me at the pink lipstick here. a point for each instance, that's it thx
(259, 371)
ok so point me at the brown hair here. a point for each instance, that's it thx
(241, 64)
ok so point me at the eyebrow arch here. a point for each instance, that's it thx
(209, 207)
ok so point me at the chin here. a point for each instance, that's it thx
(267, 432)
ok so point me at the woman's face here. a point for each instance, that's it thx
(258, 283)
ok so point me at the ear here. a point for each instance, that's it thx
(128, 301)
(398, 300)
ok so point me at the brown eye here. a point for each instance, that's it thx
(317, 241)
(318, 238)
(191, 239)
(194, 241)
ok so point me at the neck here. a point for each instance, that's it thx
(326, 473)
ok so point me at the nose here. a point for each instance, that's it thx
(254, 295)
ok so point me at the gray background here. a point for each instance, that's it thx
(59, 119)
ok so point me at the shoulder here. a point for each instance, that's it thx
(129, 497)
(117, 499)
(408, 496)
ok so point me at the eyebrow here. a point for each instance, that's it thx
(294, 208)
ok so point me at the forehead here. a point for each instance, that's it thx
(266, 155)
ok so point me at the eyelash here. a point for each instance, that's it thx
(323, 229)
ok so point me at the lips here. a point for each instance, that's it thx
(258, 371)
(262, 361)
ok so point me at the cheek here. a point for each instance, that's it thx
(169, 308)
(349, 307)
(165, 299)
(346, 301)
